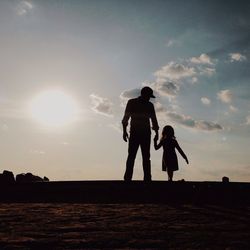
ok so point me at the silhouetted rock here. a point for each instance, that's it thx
(182, 180)
(29, 177)
(45, 178)
(225, 179)
(7, 177)
(20, 178)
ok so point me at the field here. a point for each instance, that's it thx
(123, 226)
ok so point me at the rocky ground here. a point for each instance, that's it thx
(123, 226)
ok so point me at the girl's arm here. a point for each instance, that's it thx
(157, 146)
(181, 152)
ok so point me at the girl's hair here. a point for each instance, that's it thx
(168, 132)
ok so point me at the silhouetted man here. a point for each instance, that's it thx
(140, 110)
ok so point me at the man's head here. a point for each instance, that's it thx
(147, 93)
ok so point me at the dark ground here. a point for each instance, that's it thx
(120, 215)
(123, 226)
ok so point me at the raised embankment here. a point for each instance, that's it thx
(123, 192)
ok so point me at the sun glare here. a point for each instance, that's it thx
(53, 108)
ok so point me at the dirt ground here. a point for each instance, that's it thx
(123, 226)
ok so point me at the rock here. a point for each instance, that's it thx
(20, 178)
(182, 180)
(45, 178)
(7, 177)
(32, 178)
(225, 179)
(29, 177)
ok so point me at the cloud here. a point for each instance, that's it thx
(101, 105)
(161, 87)
(132, 93)
(166, 88)
(194, 80)
(242, 43)
(172, 42)
(202, 59)
(24, 7)
(181, 119)
(232, 108)
(35, 151)
(207, 71)
(188, 121)
(116, 126)
(128, 94)
(174, 71)
(159, 108)
(248, 120)
(225, 96)
(237, 57)
(208, 126)
(206, 101)
(204, 65)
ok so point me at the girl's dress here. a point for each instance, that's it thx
(169, 157)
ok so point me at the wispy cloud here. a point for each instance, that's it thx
(194, 80)
(233, 108)
(204, 66)
(237, 57)
(181, 119)
(202, 59)
(101, 105)
(175, 71)
(128, 94)
(248, 120)
(159, 108)
(162, 87)
(166, 87)
(37, 152)
(116, 126)
(24, 7)
(206, 101)
(172, 42)
(188, 121)
(225, 96)
(242, 43)
(208, 126)
(131, 93)
(207, 71)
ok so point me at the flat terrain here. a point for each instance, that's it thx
(111, 192)
(123, 226)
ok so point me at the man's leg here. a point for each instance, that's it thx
(133, 146)
(145, 150)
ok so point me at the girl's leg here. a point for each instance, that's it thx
(170, 175)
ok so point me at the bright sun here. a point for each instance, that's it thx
(53, 108)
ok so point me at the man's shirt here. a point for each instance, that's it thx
(140, 112)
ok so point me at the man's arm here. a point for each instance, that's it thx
(155, 126)
(157, 146)
(125, 119)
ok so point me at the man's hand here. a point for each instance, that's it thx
(156, 138)
(125, 136)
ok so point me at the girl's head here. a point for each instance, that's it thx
(168, 132)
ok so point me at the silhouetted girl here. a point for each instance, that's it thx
(169, 158)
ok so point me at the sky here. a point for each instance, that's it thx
(92, 56)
